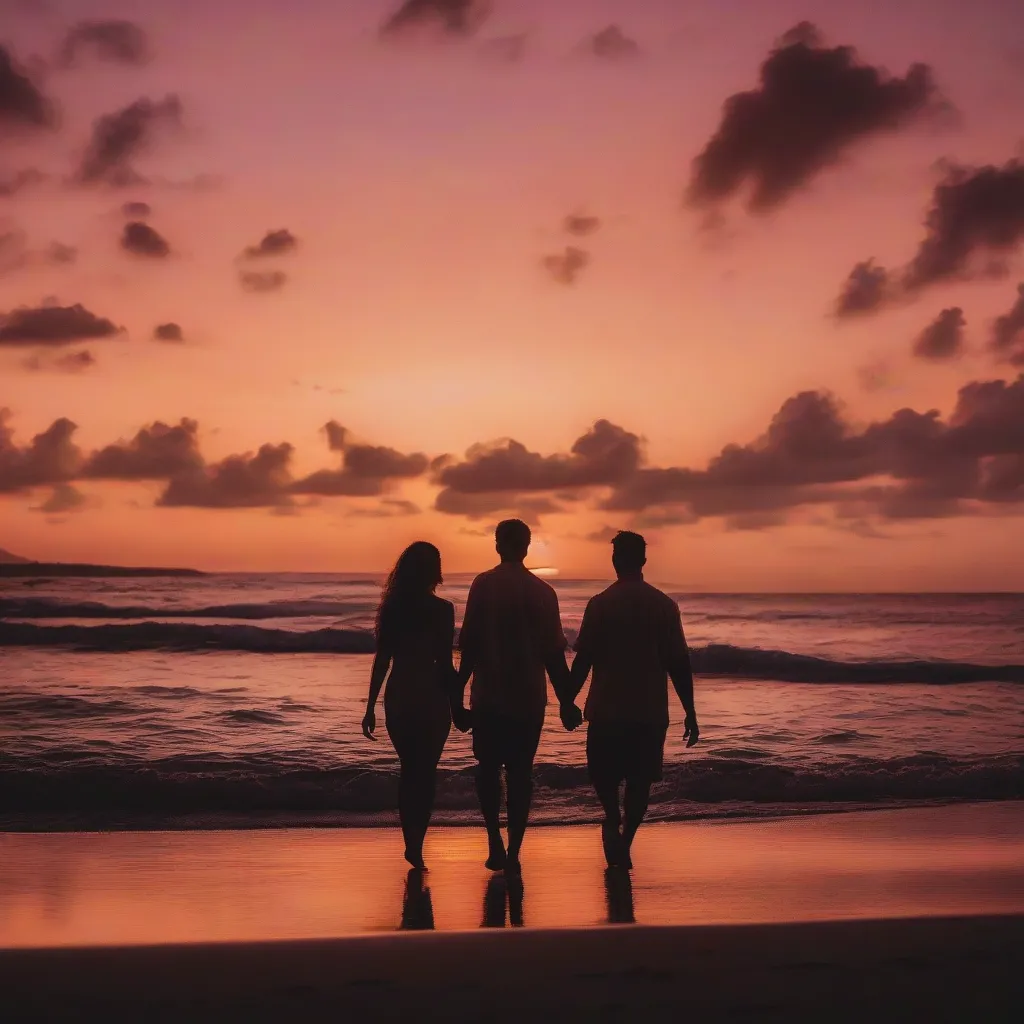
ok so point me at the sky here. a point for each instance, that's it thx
(287, 287)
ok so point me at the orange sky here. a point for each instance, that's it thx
(425, 181)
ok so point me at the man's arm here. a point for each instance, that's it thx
(556, 665)
(467, 661)
(584, 660)
(681, 674)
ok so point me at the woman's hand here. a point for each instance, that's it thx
(369, 724)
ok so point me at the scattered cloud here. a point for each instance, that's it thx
(581, 224)
(53, 325)
(273, 243)
(865, 291)
(389, 508)
(450, 17)
(137, 210)
(63, 498)
(1007, 342)
(170, 332)
(366, 470)
(118, 138)
(50, 458)
(260, 480)
(612, 43)
(975, 212)
(943, 338)
(119, 42)
(142, 240)
(58, 252)
(22, 103)
(263, 280)
(812, 104)
(567, 266)
(71, 362)
(156, 452)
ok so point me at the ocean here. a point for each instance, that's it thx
(235, 700)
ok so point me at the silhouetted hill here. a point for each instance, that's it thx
(8, 558)
(15, 565)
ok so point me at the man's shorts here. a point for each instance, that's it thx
(505, 740)
(624, 751)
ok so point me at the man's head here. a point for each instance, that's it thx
(629, 553)
(512, 539)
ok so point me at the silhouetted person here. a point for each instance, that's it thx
(511, 636)
(632, 637)
(618, 891)
(503, 892)
(417, 909)
(415, 633)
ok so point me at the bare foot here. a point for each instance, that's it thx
(415, 859)
(512, 865)
(496, 856)
(615, 852)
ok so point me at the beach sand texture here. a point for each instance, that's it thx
(888, 915)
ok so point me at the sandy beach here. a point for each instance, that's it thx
(893, 913)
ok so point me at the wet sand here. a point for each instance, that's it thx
(910, 914)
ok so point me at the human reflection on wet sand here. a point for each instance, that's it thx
(618, 890)
(417, 908)
(503, 892)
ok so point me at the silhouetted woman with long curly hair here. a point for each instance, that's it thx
(415, 635)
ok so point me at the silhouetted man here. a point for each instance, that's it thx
(511, 637)
(632, 637)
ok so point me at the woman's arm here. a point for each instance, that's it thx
(379, 672)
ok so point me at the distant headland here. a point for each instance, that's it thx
(15, 565)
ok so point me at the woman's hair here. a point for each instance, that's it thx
(416, 575)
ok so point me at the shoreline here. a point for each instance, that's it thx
(942, 969)
(542, 818)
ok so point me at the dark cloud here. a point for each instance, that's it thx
(274, 243)
(487, 506)
(943, 338)
(142, 240)
(22, 104)
(137, 210)
(118, 138)
(262, 480)
(63, 498)
(51, 458)
(120, 42)
(581, 224)
(813, 103)
(974, 212)
(865, 291)
(452, 17)
(53, 325)
(498, 476)
(168, 332)
(366, 470)
(612, 43)
(263, 280)
(909, 466)
(566, 267)
(1008, 332)
(156, 452)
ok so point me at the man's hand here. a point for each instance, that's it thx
(691, 731)
(572, 717)
(369, 724)
(462, 718)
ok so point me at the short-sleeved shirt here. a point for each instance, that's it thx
(510, 629)
(632, 634)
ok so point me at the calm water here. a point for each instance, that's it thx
(237, 698)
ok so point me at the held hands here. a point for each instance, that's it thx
(572, 717)
(691, 731)
(369, 724)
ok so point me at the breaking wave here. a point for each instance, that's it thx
(722, 660)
